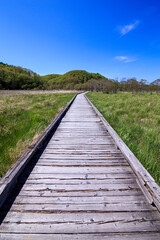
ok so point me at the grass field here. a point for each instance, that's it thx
(23, 117)
(136, 118)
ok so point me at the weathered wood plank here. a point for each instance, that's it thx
(66, 133)
(84, 152)
(26, 217)
(111, 227)
(79, 170)
(82, 128)
(74, 161)
(80, 200)
(77, 136)
(81, 132)
(78, 182)
(89, 176)
(82, 146)
(90, 193)
(104, 236)
(81, 157)
(50, 157)
(80, 142)
(78, 187)
(105, 207)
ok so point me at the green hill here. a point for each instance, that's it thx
(77, 79)
(12, 77)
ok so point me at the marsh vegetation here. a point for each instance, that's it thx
(136, 118)
(23, 117)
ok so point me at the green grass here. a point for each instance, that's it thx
(136, 118)
(23, 118)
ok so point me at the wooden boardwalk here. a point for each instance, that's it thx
(82, 187)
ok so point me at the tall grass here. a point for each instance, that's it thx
(23, 117)
(136, 118)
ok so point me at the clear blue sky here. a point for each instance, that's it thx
(116, 38)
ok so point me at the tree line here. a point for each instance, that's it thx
(12, 77)
(129, 85)
(16, 78)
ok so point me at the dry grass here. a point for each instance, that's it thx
(36, 91)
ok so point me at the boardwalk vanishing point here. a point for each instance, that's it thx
(82, 186)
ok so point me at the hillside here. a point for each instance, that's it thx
(77, 79)
(12, 77)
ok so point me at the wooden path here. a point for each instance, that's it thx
(82, 187)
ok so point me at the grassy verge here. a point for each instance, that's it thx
(23, 118)
(136, 118)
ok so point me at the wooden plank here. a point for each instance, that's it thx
(82, 128)
(68, 134)
(78, 187)
(104, 236)
(15, 217)
(84, 170)
(79, 131)
(84, 152)
(80, 123)
(81, 156)
(80, 140)
(80, 200)
(111, 154)
(83, 147)
(81, 159)
(80, 181)
(105, 207)
(89, 163)
(90, 176)
(111, 227)
(91, 193)
(50, 157)
(79, 118)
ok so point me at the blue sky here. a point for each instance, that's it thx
(116, 38)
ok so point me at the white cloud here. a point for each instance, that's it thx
(127, 28)
(124, 59)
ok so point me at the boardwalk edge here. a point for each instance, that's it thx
(146, 182)
(9, 180)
